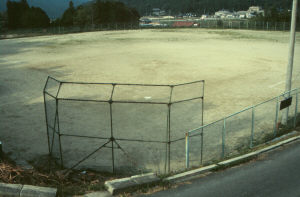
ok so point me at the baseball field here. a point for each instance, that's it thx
(240, 68)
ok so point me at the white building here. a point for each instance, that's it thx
(256, 10)
(222, 14)
(158, 12)
(251, 12)
(241, 14)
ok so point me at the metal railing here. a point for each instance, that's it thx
(241, 131)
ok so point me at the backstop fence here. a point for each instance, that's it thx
(239, 132)
(121, 127)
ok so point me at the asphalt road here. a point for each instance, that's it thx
(276, 173)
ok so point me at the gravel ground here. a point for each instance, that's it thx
(240, 68)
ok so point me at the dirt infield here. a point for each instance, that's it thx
(240, 68)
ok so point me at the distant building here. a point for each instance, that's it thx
(222, 14)
(256, 10)
(249, 15)
(231, 16)
(168, 17)
(204, 16)
(158, 12)
(242, 14)
(188, 15)
(183, 24)
(251, 12)
(145, 20)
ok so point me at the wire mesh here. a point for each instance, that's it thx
(238, 133)
(144, 94)
(212, 143)
(50, 107)
(286, 123)
(264, 121)
(76, 150)
(82, 118)
(97, 92)
(292, 112)
(177, 155)
(54, 145)
(147, 122)
(195, 148)
(52, 86)
(298, 110)
(185, 116)
(121, 127)
(139, 157)
(187, 91)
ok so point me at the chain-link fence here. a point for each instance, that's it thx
(121, 127)
(243, 24)
(239, 132)
(159, 24)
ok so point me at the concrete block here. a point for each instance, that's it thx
(98, 194)
(119, 185)
(34, 191)
(10, 190)
(190, 173)
(145, 179)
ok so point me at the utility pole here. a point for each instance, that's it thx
(288, 84)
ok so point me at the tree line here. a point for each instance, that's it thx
(98, 12)
(20, 15)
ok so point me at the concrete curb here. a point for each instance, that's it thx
(98, 194)
(190, 173)
(12, 190)
(226, 163)
(121, 185)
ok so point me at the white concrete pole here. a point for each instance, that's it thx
(289, 72)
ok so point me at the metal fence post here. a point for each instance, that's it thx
(169, 130)
(202, 122)
(252, 126)
(276, 116)
(187, 151)
(296, 110)
(223, 138)
(59, 135)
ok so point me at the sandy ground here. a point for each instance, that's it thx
(240, 68)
